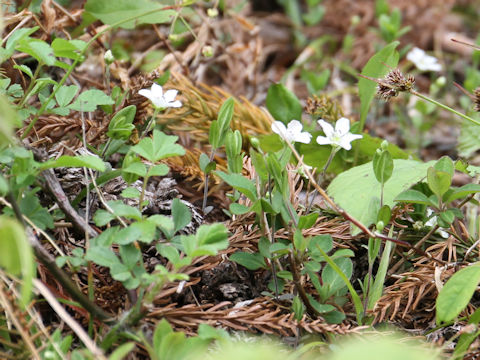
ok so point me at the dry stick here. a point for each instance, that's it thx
(54, 187)
(350, 218)
(65, 316)
(18, 325)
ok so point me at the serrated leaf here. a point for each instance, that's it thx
(159, 147)
(39, 49)
(102, 255)
(158, 170)
(89, 100)
(66, 94)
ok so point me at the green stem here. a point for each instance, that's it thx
(80, 55)
(324, 170)
(445, 107)
(30, 86)
(149, 125)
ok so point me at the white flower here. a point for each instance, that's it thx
(292, 132)
(433, 222)
(341, 136)
(159, 99)
(423, 61)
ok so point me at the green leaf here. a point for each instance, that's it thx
(456, 293)
(463, 191)
(382, 166)
(206, 165)
(181, 215)
(123, 210)
(438, 181)
(469, 139)
(225, 115)
(298, 308)
(331, 280)
(130, 255)
(353, 189)
(375, 68)
(252, 261)
(213, 234)
(164, 223)
(25, 69)
(70, 49)
(30, 207)
(111, 12)
(121, 127)
(283, 104)
(160, 147)
(39, 49)
(445, 164)
(66, 94)
(137, 168)
(240, 183)
(238, 209)
(158, 170)
(414, 197)
(88, 161)
(307, 221)
(89, 100)
(123, 350)
(17, 255)
(320, 308)
(384, 214)
(102, 255)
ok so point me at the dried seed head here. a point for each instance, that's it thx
(476, 98)
(323, 107)
(394, 83)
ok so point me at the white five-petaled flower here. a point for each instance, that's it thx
(159, 99)
(340, 136)
(292, 132)
(423, 61)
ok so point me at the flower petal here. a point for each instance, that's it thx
(294, 126)
(303, 137)
(175, 104)
(170, 95)
(322, 140)
(147, 93)
(326, 127)
(279, 128)
(346, 139)
(342, 126)
(157, 90)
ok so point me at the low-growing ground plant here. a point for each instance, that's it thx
(298, 211)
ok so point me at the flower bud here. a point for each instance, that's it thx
(207, 51)
(212, 12)
(108, 57)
